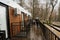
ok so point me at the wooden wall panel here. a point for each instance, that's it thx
(13, 19)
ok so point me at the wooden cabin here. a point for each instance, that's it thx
(16, 21)
(12, 18)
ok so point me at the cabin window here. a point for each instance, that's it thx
(3, 23)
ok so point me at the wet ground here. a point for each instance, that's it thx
(34, 34)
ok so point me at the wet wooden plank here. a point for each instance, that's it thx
(33, 35)
(57, 33)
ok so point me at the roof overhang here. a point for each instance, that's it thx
(15, 5)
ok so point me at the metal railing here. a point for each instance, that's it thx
(49, 34)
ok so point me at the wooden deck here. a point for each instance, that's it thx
(34, 34)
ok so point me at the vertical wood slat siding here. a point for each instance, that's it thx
(13, 18)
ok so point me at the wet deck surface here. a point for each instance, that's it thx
(34, 34)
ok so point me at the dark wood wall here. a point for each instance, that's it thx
(14, 19)
(15, 22)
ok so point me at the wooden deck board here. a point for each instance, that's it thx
(33, 35)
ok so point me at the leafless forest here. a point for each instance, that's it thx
(46, 10)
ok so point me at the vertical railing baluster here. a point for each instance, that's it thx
(48, 34)
(55, 37)
(58, 39)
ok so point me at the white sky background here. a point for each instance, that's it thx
(41, 1)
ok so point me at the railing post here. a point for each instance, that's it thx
(55, 37)
(48, 33)
(58, 38)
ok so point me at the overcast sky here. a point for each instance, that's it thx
(43, 1)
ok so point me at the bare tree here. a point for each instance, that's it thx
(53, 4)
(35, 8)
(59, 12)
(41, 12)
(22, 3)
(47, 10)
(30, 3)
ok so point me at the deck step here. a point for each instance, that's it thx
(22, 34)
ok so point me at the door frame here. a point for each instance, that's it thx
(7, 18)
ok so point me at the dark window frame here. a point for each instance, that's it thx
(7, 17)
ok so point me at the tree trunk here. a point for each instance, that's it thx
(50, 17)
